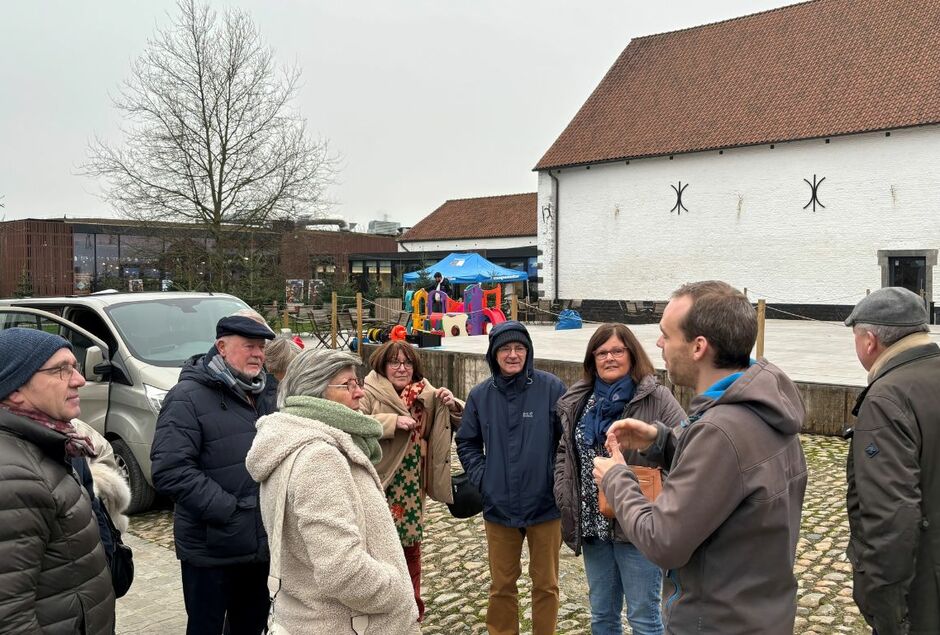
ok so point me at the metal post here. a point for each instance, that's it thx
(761, 314)
(359, 323)
(333, 323)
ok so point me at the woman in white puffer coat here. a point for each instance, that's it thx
(342, 568)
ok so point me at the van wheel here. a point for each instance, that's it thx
(141, 493)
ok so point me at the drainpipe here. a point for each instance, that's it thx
(555, 239)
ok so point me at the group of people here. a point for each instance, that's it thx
(300, 486)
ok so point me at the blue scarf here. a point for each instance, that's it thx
(609, 403)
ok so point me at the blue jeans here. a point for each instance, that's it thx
(615, 571)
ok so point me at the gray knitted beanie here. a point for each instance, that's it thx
(22, 353)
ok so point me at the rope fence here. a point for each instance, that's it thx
(355, 309)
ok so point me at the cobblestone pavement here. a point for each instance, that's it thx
(456, 578)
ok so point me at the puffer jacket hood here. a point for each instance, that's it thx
(764, 389)
(523, 335)
(195, 368)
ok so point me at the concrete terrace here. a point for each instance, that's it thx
(808, 351)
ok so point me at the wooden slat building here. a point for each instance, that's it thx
(41, 250)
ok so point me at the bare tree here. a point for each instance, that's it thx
(210, 134)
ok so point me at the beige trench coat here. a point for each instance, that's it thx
(383, 403)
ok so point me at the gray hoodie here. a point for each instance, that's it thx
(728, 519)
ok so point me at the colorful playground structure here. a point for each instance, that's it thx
(475, 315)
(478, 312)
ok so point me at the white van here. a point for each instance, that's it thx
(131, 347)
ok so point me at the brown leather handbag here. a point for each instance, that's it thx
(651, 484)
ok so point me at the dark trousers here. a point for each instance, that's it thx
(239, 590)
(413, 559)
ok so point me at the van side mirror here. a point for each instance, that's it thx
(96, 368)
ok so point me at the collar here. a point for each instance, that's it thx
(904, 344)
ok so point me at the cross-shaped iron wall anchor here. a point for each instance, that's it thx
(814, 191)
(679, 190)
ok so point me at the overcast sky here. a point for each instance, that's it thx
(425, 100)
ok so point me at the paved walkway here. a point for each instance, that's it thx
(456, 577)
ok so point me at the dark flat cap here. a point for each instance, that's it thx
(244, 326)
(890, 306)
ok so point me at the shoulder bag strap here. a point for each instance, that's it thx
(277, 527)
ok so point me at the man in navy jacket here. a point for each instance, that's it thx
(204, 431)
(506, 443)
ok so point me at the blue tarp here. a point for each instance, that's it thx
(468, 268)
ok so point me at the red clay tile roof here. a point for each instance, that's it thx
(486, 217)
(815, 69)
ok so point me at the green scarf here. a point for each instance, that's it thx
(365, 431)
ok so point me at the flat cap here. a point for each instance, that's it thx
(890, 306)
(244, 326)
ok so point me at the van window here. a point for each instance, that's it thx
(167, 332)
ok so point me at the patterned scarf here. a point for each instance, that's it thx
(234, 380)
(75, 445)
(409, 397)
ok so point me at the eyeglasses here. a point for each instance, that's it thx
(400, 364)
(517, 349)
(64, 370)
(616, 353)
(350, 385)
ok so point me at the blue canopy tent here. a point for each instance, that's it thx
(468, 268)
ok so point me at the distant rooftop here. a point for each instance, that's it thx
(485, 217)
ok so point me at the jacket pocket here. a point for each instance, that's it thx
(238, 536)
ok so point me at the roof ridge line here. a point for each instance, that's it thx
(717, 22)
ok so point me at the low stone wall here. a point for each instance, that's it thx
(828, 407)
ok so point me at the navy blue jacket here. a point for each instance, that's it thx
(203, 434)
(507, 440)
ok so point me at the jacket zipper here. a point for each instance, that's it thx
(673, 575)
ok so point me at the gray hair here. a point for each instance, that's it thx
(888, 335)
(279, 353)
(311, 372)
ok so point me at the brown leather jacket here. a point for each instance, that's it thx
(893, 496)
(383, 403)
(651, 402)
(727, 521)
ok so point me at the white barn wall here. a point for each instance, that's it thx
(470, 244)
(746, 223)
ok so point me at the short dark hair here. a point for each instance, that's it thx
(640, 364)
(388, 352)
(723, 316)
(437, 274)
